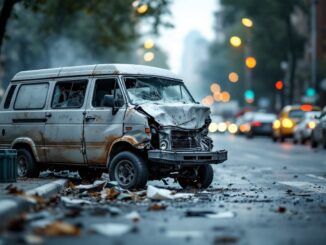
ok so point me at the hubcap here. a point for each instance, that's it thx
(124, 172)
(22, 166)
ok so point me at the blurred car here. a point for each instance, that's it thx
(318, 134)
(283, 127)
(259, 123)
(302, 131)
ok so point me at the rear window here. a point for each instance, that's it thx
(31, 96)
(296, 114)
(9, 96)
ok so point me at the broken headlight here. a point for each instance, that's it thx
(164, 145)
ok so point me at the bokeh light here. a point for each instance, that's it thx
(142, 9)
(149, 43)
(221, 127)
(247, 22)
(149, 56)
(235, 41)
(225, 96)
(233, 77)
(251, 62)
(233, 128)
(215, 88)
(208, 100)
(212, 127)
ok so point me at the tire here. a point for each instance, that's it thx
(295, 141)
(274, 139)
(89, 173)
(324, 140)
(129, 170)
(282, 139)
(26, 165)
(203, 179)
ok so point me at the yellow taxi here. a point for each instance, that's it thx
(283, 127)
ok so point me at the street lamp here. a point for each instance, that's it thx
(235, 41)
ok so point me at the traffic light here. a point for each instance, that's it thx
(311, 92)
(279, 85)
(249, 96)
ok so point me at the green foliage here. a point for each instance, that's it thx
(44, 33)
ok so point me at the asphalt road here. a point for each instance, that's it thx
(269, 193)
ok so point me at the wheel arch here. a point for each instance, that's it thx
(28, 144)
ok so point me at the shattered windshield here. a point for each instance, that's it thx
(156, 90)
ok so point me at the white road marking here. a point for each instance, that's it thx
(306, 186)
(316, 176)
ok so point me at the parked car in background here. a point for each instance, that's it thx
(283, 127)
(318, 134)
(302, 131)
(259, 123)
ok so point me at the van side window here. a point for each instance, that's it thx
(107, 86)
(9, 96)
(69, 94)
(31, 96)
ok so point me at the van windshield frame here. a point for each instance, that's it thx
(152, 89)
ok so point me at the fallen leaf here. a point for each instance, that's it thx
(58, 228)
(157, 207)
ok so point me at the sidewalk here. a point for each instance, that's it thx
(13, 205)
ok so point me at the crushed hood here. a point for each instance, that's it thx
(188, 116)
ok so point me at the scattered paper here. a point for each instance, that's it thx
(111, 229)
(163, 194)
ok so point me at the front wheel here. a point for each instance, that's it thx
(129, 170)
(200, 177)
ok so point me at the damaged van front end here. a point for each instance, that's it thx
(178, 144)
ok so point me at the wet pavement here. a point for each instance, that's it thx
(266, 193)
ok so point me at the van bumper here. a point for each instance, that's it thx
(187, 158)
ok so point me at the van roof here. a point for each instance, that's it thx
(92, 70)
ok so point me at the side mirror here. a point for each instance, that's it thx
(109, 101)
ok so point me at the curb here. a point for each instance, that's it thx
(12, 206)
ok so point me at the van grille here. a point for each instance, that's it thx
(184, 140)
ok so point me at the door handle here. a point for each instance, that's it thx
(88, 118)
(48, 114)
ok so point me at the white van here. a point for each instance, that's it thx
(137, 122)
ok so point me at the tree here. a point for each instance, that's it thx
(274, 39)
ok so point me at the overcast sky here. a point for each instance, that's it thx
(187, 15)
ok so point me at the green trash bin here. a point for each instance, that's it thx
(8, 165)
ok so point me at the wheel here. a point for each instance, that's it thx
(129, 170)
(274, 139)
(89, 173)
(295, 141)
(282, 139)
(26, 165)
(250, 135)
(201, 177)
(324, 141)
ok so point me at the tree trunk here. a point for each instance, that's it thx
(6, 11)
(292, 61)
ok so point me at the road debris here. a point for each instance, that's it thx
(210, 214)
(154, 193)
(111, 229)
(32, 239)
(70, 202)
(58, 228)
(157, 207)
(133, 216)
(96, 186)
(281, 210)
